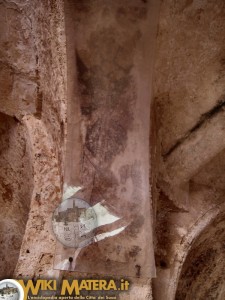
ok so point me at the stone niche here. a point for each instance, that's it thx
(15, 191)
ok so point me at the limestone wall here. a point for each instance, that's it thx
(33, 75)
(189, 165)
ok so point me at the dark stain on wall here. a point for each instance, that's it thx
(107, 96)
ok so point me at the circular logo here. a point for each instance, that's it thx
(10, 289)
(74, 222)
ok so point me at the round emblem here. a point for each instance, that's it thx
(74, 222)
(10, 289)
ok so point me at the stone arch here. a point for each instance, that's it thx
(191, 258)
(202, 272)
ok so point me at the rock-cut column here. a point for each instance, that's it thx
(110, 58)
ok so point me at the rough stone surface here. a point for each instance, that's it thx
(37, 250)
(205, 263)
(32, 90)
(45, 131)
(189, 70)
(189, 152)
(16, 185)
(18, 89)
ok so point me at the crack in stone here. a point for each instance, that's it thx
(203, 119)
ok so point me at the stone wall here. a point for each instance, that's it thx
(33, 76)
(16, 183)
(189, 161)
(46, 131)
(18, 60)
